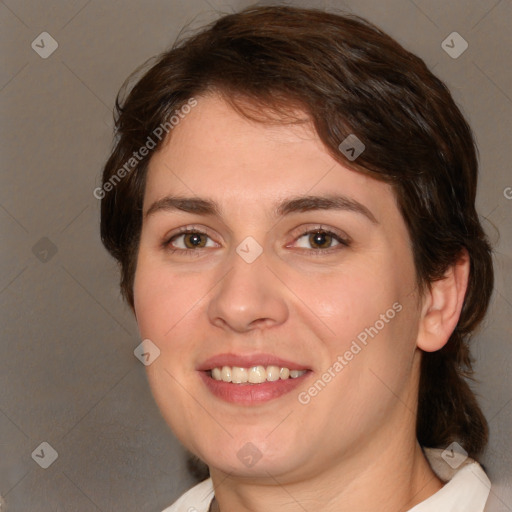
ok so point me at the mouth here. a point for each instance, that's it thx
(251, 380)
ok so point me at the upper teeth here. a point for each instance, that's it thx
(255, 374)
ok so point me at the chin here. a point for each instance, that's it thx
(262, 469)
(246, 458)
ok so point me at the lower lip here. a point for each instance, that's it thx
(251, 394)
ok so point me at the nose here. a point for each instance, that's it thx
(250, 296)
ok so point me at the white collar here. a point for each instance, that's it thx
(466, 487)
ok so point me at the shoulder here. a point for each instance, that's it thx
(196, 499)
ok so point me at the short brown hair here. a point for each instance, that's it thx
(349, 78)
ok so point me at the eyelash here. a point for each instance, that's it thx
(343, 242)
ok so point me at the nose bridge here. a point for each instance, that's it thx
(249, 294)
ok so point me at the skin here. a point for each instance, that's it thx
(353, 446)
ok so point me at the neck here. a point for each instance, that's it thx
(395, 481)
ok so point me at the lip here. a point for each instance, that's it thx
(248, 361)
(250, 394)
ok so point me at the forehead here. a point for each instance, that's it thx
(216, 152)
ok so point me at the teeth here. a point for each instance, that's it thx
(255, 374)
(240, 375)
(225, 374)
(272, 373)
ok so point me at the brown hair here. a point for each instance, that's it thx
(349, 78)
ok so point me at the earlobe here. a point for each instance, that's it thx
(442, 304)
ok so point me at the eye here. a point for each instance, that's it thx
(316, 240)
(188, 239)
(321, 240)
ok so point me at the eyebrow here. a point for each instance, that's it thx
(286, 207)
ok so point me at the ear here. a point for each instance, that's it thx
(442, 304)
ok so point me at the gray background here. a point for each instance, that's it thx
(68, 375)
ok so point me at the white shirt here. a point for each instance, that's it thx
(466, 489)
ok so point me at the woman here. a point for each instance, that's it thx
(291, 197)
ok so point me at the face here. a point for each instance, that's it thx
(290, 261)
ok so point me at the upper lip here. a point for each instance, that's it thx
(248, 361)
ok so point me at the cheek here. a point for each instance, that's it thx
(162, 298)
(147, 299)
(353, 299)
(372, 319)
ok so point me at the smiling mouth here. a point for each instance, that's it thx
(253, 374)
(253, 384)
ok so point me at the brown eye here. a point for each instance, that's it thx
(194, 240)
(320, 240)
(188, 241)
